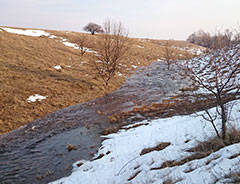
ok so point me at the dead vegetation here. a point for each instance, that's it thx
(26, 68)
(233, 177)
(173, 163)
(134, 175)
(204, 149)
(159, 147)
(182, 104)
(215, 144)
(171, 181)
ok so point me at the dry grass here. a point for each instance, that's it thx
(234, 177)
(173, 163)
(26, 68)
(133, 176)
(204, 149)
(182, 104)
(215, 144)
(171, 181)
(159, 147)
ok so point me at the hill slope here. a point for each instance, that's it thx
(47, 63)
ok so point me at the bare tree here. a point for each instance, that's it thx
(217, 77)
(201, 38)
(219, 40)
(82, 43)
(114, 45)
(169, 53)
(93, 28)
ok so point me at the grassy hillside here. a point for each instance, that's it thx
(27, 68)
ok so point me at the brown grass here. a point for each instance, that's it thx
(26, 68)
(171, 181)
(159, 147)
(204, 149)
(133, 176)
(173, 163)
(233, 177)
(175, 105)
(215, 144)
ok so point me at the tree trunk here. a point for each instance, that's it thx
(224, 121)
(168, 64)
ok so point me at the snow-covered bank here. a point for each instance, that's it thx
(120, 160)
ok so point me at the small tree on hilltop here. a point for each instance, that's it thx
(217, 75)
(113, 46)
(93, 28)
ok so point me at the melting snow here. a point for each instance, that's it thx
(27, 32)
(196, 51)
(52, 36)
(75, 46)
(122, 159)
(68, 44)
(35, 98)
(57, 67)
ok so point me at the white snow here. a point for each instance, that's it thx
(122, 158)
(57, 67)
(75, 46)
(35, 98)
(27, 32)
(68, 44)
(37, 33)
(192, 50)
(134, 66)
(52, 36)
(224, 59)
(141, 47)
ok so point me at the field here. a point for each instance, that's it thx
(27, 68)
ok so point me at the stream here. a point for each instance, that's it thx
(37, 153)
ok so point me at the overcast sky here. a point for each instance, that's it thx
(162, 19)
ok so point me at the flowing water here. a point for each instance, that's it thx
(37, 152)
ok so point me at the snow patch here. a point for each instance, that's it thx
(28, 32)
(75, 46)
(52, 37)
(57, 67)
(35, 98)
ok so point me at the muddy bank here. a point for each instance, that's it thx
(37, 153)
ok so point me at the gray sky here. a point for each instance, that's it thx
(162, 19)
